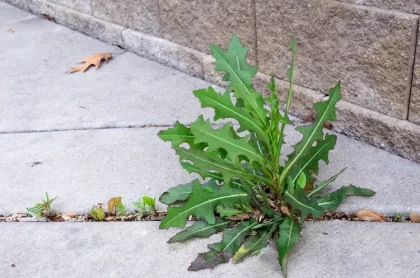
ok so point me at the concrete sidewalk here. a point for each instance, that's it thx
(336, 249)
(84, 165)
(88, 137)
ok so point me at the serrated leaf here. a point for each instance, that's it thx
(308, 163)
(206, 163)
(224, 109)
(212, 175)
(289, 235)
(221, 252)
(324, 184)
(183, 191)
(223, 138)
(228, 211)
(332, 200)
(306, 207)
(202, 204)
(177, 135)
(253, 245)
(200, 229)
(240, 75)
(311, 133)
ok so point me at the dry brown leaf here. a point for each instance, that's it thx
(94, 60)
(110, 218)
(370, 215)
(285, 210)
(415, 217)
(68, 215)
(10, 30)
(239, 217)
(48, 17)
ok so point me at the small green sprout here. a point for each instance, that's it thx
(43, 208)
(145, 205)
(97, 212)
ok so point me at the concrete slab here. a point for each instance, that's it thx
(89, 166)
(85, 167)
(38, 95)
(138, 249)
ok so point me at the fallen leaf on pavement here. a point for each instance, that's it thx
(10, 30)
(48, 17)
(415, 217)
(94, 60)
(68, 215)
(370, 215)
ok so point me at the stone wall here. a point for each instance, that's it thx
(370, 45)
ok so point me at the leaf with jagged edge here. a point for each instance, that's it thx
(213, 175)
(224, 109)
(183, 191)
(223, 138)
(253, 245)
(332, 200)
(311, 133)
(299, 201)
(178, 135)
(320, 186)
(206, 163)
(202, 204)
(200, 229)
(308, 162)
(240, 75)
(222, 251)
(289, 235)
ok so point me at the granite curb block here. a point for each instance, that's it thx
(336, 249)
(81, 22)
(165, 52)
(398, 136)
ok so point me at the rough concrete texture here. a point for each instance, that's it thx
(197, 24)
(401, 137)
(354, 250)
(116, 249)
(408, 6)
(138, 249)
(83, 6)
(105, 31)
(369, 50)
(140, 15)
(129, 90)
(165, 52)
(22, 4)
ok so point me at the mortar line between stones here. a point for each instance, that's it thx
(254, 15)
(85, 128)
(412, 71)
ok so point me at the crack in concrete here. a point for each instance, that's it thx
(85, 128)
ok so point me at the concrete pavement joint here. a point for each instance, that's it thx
(84, 128)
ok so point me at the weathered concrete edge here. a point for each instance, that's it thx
(398, 136)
